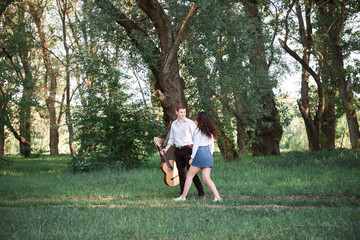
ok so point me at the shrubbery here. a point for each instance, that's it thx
(111, 129)
(114, 133)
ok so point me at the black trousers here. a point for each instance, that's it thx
(182, 158)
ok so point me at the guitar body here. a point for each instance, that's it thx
(171, 177)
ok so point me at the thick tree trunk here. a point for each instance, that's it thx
(25, 105)
(242, 135)
(50, 73)
(25, 131)
(268, 131)
(2, 121)
(328, 124)
(2, 138)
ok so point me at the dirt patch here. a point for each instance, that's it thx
(218, 206)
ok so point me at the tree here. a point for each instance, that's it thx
(268, 131)
(312, 124)
(63, 8)
(220, 58)
(160, 56)
(325, 46)
(17, 71)
(152, 33)
(332, 17)
(50, 93)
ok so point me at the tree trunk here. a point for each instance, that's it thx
(242, 135)
(2, 122)
(2, 138)
(25, 129)
(268, 131)
(63, 11)
(25, 105)
(328, 123)
(51, 96)
(225, 143)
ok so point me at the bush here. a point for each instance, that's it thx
(109, 127)
(114, 134)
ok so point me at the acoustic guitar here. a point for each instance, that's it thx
(171, 177)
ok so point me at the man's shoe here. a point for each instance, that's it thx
(202, 197)
(180, 199)
(217, 200)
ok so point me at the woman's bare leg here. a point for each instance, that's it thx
(189, 178)
(205, 172)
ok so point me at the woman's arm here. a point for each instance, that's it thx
(196, 138)
(211, 145)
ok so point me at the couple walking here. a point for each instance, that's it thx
(194, 147)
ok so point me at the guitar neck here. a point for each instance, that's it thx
(166, 160)
(164, 155)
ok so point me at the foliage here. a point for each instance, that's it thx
(116, 133)
(214, 62)
(218, 63)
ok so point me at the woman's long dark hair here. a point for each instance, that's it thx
(206, 126)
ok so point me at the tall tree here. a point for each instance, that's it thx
(63, 8)
(18, 71)
(50, 93)
(152, 33)
(159, 52)
(332, 16)
(268, 130)
(312, 124)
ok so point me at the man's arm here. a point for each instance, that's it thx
(192, 128)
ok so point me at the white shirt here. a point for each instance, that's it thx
(201, 139)
(181, 134)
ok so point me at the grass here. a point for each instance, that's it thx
(298, 195)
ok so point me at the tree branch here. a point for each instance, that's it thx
(179, 38)
(130, 27)
(301, 61)
(321, 89)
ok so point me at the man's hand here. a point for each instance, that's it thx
(190, 161)
(163, 152)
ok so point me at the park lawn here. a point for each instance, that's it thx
(298, 195)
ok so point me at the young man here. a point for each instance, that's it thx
(181, 133)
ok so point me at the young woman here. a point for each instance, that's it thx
(202, 155)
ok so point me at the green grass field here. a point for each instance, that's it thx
(298, 195)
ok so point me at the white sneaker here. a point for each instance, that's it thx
(180, 199)
(217, 200)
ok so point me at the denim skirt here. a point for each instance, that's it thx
(203, 158)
